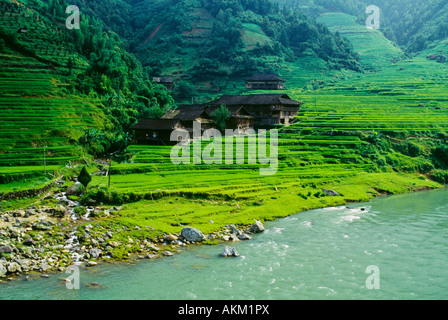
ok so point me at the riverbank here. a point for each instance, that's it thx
(57, 231)
(317, 254)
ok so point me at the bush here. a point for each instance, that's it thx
(441, 154)
(80, 211)
(84, 177)
(440, 177)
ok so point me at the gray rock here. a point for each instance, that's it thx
(5, 249)
(192, 234)
(153, 247)
(229, 252)
(45, 267)
(13, 267)
(170, 237)
(234, 229)
(95, 253)
(3, 270)
(75, 189)
(257, 227)
(29, 242)
(330, 193)
(167, 253)
(150, 256)
(233, 237)
(244, 236)
(95, 285)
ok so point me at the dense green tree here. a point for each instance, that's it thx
(221, 116)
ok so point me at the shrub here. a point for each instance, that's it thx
(440, 176)
(80, 211)
(84, 177)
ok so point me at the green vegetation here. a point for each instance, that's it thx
(84, 177)
(361, 134)
(212, 45)
(220, 116)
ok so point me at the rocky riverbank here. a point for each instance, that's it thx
(49, 238)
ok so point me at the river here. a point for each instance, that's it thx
(393, 247)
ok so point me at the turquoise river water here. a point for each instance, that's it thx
(396, 248)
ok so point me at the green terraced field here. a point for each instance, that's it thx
(37, 109)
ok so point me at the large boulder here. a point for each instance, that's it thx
(330, 193)
(192, 234)
(75, 189)
(257, 227)
(13, 267)
(229, 252)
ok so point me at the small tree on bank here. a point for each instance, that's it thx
(84, 177)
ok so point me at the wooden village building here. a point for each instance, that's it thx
(265, 82)
(246, 111)
(168, 82)
(156, 131)
(266, 109)
(190, 113)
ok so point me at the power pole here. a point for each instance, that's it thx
(110, 168)
(45, 162)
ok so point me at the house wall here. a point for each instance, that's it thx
(267, 85)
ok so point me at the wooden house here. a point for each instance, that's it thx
(266, 109)
(239, 119)
(158, 131)
(168, 82)
(190, 113)
(265, 82)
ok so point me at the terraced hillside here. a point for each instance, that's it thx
(359, 135)
(37, 108)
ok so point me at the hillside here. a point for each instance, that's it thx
(210, 46)
(36, 100)
(412, 24)
(55, 85)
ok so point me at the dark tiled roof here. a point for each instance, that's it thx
(264, 77)
(255, 99)
(157, 124)
(185, 112)
(232, 109)
(162, 79)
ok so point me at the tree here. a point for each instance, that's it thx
(70, 65)
(84, 177)
(220, 116)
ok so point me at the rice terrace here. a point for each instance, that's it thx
(86, 170)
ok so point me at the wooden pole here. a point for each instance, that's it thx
(110, 168)
(45, 162)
